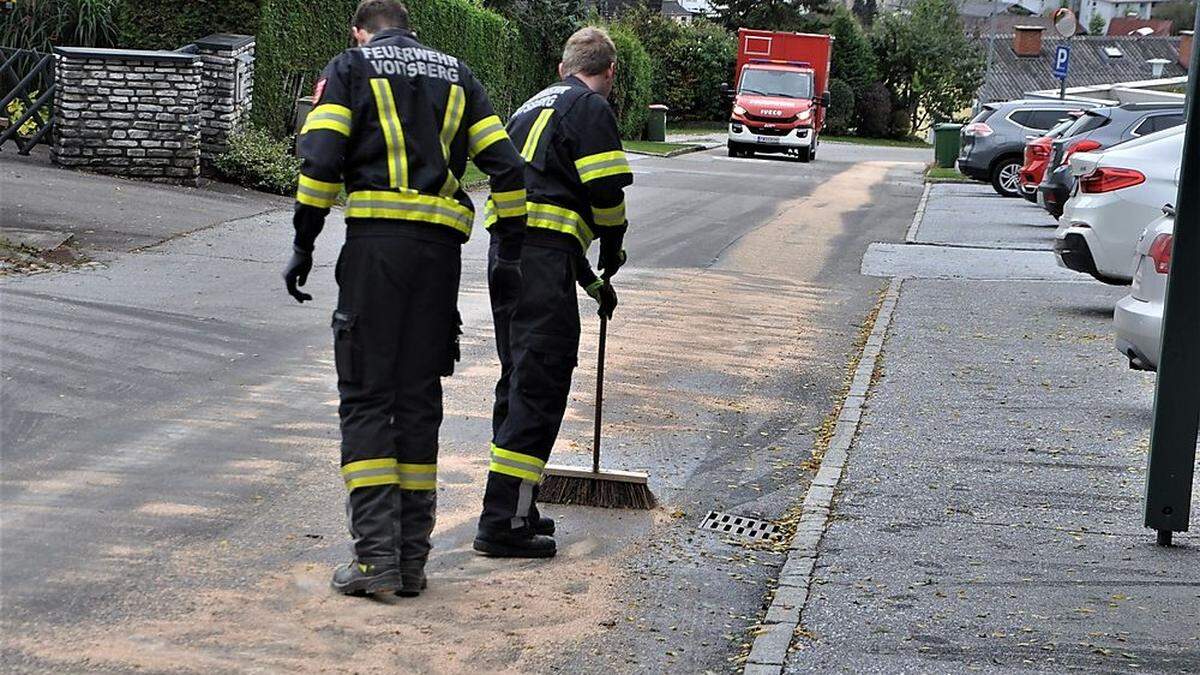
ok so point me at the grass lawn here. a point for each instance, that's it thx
(936, 174)
(695, 128)
(889, 142)
(654, 147)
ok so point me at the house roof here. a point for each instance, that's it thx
(1012, 76)
(687, 8)
(1123, 25)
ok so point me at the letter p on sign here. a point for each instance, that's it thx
(1062, 61)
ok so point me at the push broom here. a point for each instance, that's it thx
(609, 488)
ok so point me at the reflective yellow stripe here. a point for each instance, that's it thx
(484, 133)
(549, 217)
(328, 116)
(610, 217)
(370, 472)
(535, 134)
(509, 204)
(417, 476)
(393, 134)
(317, 193)
(455, 104)
(516, 464)
(601, 165)
(410, 205)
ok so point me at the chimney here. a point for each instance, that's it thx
(1157, 66)
(1027, 40)
(1185, 49)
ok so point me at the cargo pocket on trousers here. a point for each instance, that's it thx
(346, 351)
(557, 355)
(453, 346)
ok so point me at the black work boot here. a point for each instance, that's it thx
(359, 578)
(521, 543)
(543, 525)
(412, 578)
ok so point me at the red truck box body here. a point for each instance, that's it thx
(814, 49)
(769, 113)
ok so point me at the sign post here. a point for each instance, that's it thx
(1065, 25)
(1171, 465)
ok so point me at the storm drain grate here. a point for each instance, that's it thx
(752, 528)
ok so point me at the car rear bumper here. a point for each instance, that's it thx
(800, 137)
(1139, 331)
(1073, 253)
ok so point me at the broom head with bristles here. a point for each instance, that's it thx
(605, 489)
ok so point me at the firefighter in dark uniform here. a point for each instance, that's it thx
(395, 122)
(575, 174)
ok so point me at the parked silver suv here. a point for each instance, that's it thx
(993, 143)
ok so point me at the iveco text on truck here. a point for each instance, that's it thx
(781, 93)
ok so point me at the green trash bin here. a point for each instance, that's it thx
(946, 144)
(656, 123)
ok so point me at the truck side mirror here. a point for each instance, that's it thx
(825, 99)
(726, 91)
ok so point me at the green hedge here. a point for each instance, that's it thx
(689, 63)
(170, 24)
(631, 92)
(296, 38)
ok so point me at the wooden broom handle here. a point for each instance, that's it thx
(599, 395)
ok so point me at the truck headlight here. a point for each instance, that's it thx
(739, 110)
(805, 115)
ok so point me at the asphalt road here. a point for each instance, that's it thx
(170, 497)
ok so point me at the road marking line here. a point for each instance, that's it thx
(768, 654)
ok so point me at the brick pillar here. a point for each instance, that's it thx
(1185, 49)
(228, 89)
(128, 113)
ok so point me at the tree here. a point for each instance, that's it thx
(785, 15)
(926, 61)
(865, 11)
(853, 59)
(690, 61)
(1183, 14)
(1096, 24)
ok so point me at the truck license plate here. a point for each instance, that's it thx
(768, 139)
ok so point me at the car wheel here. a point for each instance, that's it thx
(1006, 178)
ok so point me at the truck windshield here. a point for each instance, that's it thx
(786, 83)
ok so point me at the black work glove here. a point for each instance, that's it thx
(504, 281)
(296, 273)
(605, 295)
(612, 256)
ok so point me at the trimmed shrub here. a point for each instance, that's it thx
(631, 92)
(840, 116)
(689, 62)
(257, 160)
(874, 111)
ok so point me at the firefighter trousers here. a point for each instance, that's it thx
(537, 337)
(395, 335)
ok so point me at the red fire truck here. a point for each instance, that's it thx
(781, 93)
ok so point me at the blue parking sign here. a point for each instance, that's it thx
(1062, 61)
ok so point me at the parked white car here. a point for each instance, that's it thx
(1139, 315)
(1118, 193)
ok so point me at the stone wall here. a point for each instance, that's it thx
(152, 115)
(228, 89)
(129, 113)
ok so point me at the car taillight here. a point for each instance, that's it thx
(1107, 179)
(1160, 252)
(1080, 146)
(978, 129)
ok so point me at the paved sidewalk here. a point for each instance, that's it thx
(106, 214)
(990, 516)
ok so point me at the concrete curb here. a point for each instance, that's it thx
(673, 153)
(910, 237)
(769, 652)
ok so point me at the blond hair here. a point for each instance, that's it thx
(589, 51)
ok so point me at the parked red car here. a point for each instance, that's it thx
(1037, 158)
